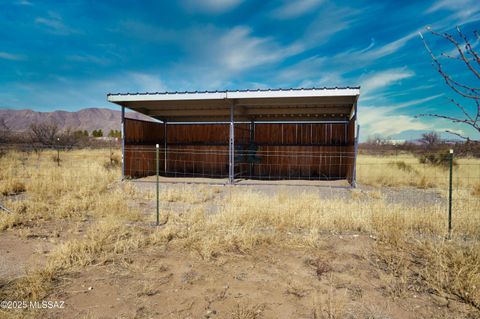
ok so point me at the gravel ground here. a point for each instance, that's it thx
(406, 196)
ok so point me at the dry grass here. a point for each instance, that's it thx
(12, 187)
(246, 311)
(406, 170)
(411, 248)
(476, 190)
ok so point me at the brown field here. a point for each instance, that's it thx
(80, 236)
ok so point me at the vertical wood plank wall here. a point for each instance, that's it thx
(273, 151)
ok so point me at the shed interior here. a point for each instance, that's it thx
(268, 135)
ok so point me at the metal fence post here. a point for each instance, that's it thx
(158, 191)
(58, 151)
(123, 142)
(355, 154)
(450, 196)
(165, 146)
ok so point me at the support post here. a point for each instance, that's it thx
(123, 142)
(231, 172)
(450, 196)
(165, 146)
(354, 175)
(251, 153)
(158, 184)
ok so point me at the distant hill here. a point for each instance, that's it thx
(86, 119)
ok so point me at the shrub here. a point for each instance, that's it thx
(56, 159)
(13, 188)
(401, 165)
(113, 163)
(476, 190)
(436, 159)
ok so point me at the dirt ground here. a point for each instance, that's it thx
(338, 280)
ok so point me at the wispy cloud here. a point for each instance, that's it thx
(147, 82)
(211, 6)
(386, 121)
(216, 58)
(463, 8)
(24, 3)
(295, 9)
(238, 49)
(54, 24)
(329, 22)
(373, 51)
(313, 68)
(377, 80)
(11, 56)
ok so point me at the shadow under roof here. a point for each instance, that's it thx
(312, 104)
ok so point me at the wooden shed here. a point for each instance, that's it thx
(245, 134)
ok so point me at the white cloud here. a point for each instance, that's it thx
(389, 120)
(146, 82)
(463, 8)
(330, 21)
(88, 58)
(325, 79)
(239, 50)
(373, 52)
(218, 58)
(304, 69)
(384, 78)
(54, 24)
(67, 92)
(386, 121)
(211, 6)
(12, 57)
(315, 67)
(294, 9)
(24, 3)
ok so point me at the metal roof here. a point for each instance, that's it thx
(332, 104)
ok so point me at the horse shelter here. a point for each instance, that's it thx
(242, 135)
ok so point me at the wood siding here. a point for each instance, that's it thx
(266, 151)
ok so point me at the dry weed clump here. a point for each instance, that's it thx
(247, 311)
(476, 190)
(12, 187)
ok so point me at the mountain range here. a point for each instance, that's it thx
(85, 119)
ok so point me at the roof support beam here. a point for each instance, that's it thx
(231, 146)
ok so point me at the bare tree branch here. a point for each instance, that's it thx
(448, 79)
(467, 91)
(473, 121)
(459, 135)
(459, 49)
(453, 119)
(45, 133)
(468, 46)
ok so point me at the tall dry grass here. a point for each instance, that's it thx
(411, 241)
(406, 170)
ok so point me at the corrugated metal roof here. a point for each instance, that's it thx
(232, 91)
(265, 104)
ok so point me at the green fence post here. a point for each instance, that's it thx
(158, 191)
(450, 196)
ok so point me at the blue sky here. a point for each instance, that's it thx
(69, 55)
